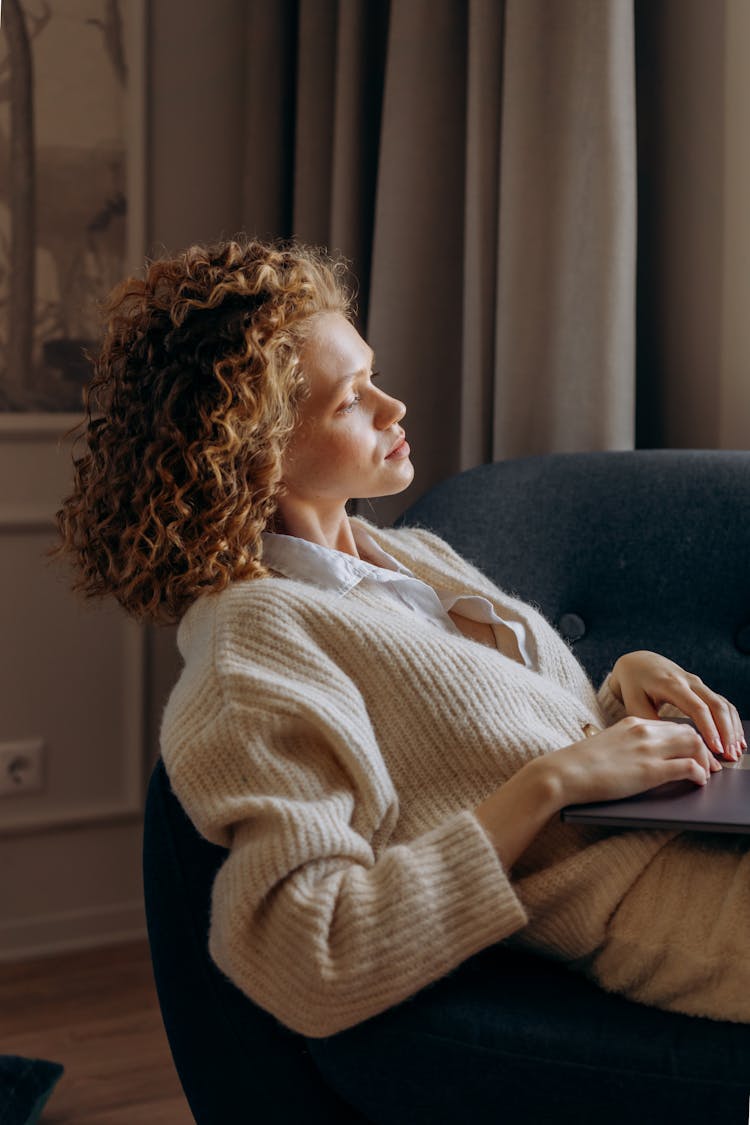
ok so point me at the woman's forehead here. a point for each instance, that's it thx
(334, 351)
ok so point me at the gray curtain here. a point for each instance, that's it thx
(519, 243)
(476, 162)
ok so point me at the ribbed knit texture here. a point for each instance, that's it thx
(337, 745)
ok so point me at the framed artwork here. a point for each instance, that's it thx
(72, 194)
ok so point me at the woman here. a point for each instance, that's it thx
(378, 734)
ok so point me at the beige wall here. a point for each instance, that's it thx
(73, 676)
(84, 678)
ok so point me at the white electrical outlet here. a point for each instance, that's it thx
(21, 766)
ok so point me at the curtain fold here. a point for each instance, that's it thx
(270, 36)
(318, 89)
(361, 57)
(485, 72)
(565, 370)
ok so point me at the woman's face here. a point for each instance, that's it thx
(342, 447)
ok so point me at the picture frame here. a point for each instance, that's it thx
(17, 422)
(101, 640)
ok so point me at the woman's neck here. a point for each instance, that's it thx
(334, 531)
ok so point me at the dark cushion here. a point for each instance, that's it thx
(620, 549)
(25, 1087)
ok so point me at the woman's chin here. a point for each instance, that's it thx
(406, 478)
(398, 487)
(392, 490)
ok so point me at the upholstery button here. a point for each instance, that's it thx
(573, 628)
(742, 638)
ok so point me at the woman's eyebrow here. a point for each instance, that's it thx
(355, 375)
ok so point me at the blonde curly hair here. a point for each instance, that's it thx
(195, 393)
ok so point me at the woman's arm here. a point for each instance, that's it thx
(514, 814)
(308, 918)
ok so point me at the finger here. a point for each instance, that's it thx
(679, 769)
(738, 726)
(689, 744)
(702, 755)
(740, 741)
(725, 718)
(688, 700)
(638, 704)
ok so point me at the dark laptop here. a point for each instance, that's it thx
(721, 805)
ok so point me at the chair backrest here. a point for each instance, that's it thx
(619, 550)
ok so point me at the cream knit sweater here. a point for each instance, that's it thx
(337, 746)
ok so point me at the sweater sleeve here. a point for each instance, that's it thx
(611, 706)
(314, 915)
(615, 710)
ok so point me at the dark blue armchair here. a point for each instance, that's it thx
(619, 550)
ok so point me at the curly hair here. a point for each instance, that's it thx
(195, 393)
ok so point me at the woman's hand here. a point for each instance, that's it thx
(627, 758)
(643, 681)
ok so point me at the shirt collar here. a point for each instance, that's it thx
(326, 567)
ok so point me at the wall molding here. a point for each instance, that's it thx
(72, 817)
(35, 517)
(70, 930)
(37, 427)
(129, 804)
(33, 429)
(20, 519)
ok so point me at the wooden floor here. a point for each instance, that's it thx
(95, 1012)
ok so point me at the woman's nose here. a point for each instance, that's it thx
(393, 411)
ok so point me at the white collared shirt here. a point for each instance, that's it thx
(335, 570)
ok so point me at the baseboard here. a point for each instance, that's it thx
(65, 932)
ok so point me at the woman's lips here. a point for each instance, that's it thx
(400, 451)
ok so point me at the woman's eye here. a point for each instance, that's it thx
(350, 406)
